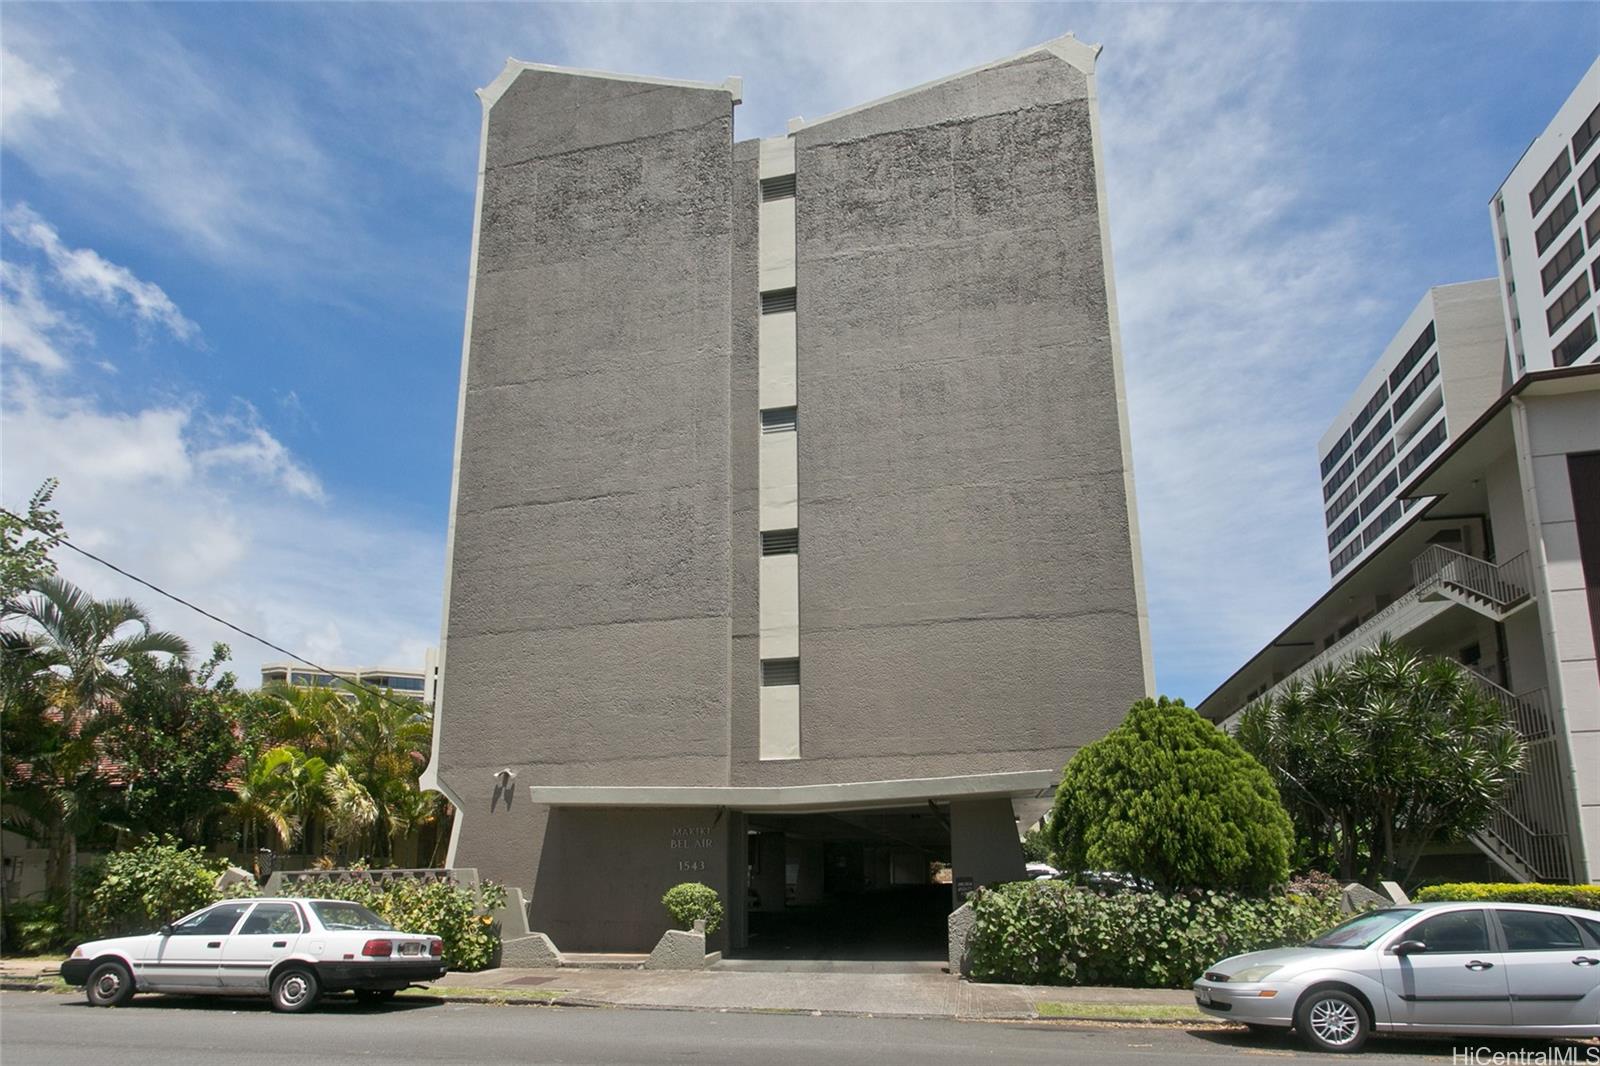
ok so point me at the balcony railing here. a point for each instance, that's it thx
(1502, 585)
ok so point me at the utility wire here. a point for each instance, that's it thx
(58, 539)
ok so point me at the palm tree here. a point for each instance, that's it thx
(84, 645)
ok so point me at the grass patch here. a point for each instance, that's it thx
(1122, 1012)
(26, 959)
(492, 995)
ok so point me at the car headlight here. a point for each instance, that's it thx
(1254, 973)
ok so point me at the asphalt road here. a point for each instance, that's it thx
(47, 1029)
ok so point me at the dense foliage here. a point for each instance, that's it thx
(691, 901)
(1052, 933)
(448, 911)
(1585, 896)
(1169, 797)
(143, 888)
(1384, 754)
(108, 732)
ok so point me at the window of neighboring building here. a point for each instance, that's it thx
(780, 542)
(1343, 529)
(1376, 496)
(1413, 356)
(1346, 554)
(779, 420)
(1561, 262)
(1419, 384)
(776, 672)
(1567, 303)
(1336, 453)
(1591, 228)
(1423, 448)
(1345, 499)
(1374, 405)
(1547, 185)
(1563, 213)
(1371, 441)
(1574, 344)
(1340, 476)
(1589, 180)
(777, 301)
(779, 188)
(1374, 468)
(1587, 134)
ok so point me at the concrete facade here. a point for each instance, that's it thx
(888, 338)
(1546, 221)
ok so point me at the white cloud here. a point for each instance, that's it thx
(86, 273)
(165, 493)
(30, 328)
(28, 93)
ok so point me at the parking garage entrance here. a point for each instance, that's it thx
(871, 886)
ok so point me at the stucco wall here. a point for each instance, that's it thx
(588, 622)
(966, 576)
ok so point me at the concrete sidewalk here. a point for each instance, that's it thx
(892, 995)
(897, 995)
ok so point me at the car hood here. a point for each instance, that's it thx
(1285, 957)
(90, 948)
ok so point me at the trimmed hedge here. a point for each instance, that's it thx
(1584, 896)
(1053, 933)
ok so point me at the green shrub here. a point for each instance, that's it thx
(692, 900)
(1585, 896)
(30, 927)
(1170, 797)
(1052, 933)
(448, 911)
(141, 889)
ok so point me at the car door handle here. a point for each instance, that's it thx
(280, 943)
(1478, 964)
(1584, 960)
(214, 944)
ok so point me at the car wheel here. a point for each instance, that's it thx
(109, 985)
(295, 989)
(372, 996)
(1331, 1019)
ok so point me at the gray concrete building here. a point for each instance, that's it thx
(792, 542)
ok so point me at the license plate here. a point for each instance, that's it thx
(1203, 997)
(411, 949)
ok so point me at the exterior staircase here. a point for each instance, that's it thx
(1495, 590)
(1527, 836)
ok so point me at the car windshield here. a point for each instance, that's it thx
(348, 916)
(1362, 930)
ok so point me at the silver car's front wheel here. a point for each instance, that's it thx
(1331, 1019)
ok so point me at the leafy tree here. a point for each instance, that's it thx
(77, 649)
(26, 541)
(174, 739)
(1387, 752)
(1036, 844)
(1169, 797)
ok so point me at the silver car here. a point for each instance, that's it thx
(1484, 969)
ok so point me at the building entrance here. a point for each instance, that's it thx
(867, 886)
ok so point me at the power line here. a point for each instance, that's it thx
(58, 539)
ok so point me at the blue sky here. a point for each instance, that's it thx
(235, 256)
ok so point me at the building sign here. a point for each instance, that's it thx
(963, 889)
(690, 845)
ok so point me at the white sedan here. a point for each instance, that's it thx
(294, 950)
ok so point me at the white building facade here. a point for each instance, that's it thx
(1546, 219)
(1442, 369)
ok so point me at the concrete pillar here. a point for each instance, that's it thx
(984, 846)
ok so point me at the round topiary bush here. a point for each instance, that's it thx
(692, 900)
(1168, 796)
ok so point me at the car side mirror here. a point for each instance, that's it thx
(1409, 947)
(166, 930)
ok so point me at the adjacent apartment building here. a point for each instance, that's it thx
(1546, 219)
(1491, 553)
(402, 681)
(1441, 370)
(792, 540)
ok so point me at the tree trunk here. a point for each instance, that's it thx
(72, 881)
